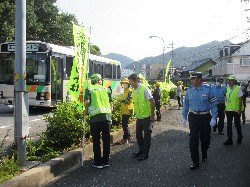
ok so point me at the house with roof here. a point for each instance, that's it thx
(202, 66)
(233, 60)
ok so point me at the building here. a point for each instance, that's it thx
(202, 66)
(233, 60)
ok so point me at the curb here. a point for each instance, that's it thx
(47, 171)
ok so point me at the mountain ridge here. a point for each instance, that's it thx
(182, 56)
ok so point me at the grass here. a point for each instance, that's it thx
(8, 168)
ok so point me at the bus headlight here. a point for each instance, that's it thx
(43, 96)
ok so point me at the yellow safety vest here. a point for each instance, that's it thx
(141, 104)
(127, 109)
(232, 99)
(99, 100)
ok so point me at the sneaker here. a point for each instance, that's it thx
(97, 165)
(221, 133)
(228, 142)
(105, 164)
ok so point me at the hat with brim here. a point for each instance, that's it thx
(231, 77)
(196, 75)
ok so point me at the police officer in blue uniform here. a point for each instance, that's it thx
(199, 101)
(220, 93)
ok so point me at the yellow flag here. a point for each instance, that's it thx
(78, 77)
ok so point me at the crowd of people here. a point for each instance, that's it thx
(204, 108)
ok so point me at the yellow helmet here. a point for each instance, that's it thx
(180, 82)
(125, 81)
(157, 84)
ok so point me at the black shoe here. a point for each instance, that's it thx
(221, 133)
(194, 166)
(136, 155)
(239, 140)
(97, 165)
(214, 130)
(228, 142)
(204, 157)
(243, 122)
(142, 157)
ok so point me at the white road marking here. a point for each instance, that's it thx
(3, 127)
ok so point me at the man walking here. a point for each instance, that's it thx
(199, 100)
(220, 94)
(233, 110)
(98, 104)
(144, 107)
(157, 100)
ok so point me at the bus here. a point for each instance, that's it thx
(48, 69)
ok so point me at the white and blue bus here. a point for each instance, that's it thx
(48, 69)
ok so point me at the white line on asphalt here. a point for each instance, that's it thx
(35, 120)
(3, 127)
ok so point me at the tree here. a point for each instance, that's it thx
(95, 50)
(44, 23)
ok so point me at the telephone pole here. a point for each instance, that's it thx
(172, 53)
(21, 114)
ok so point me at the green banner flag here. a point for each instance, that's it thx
(78, 77)
(167, 68)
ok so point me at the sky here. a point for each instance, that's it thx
(124, 26)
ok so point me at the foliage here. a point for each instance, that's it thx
(95, 50)
(8, 168)
(116, 114)
(64, 131)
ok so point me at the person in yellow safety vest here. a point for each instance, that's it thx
(182, 92)
(98, 103)
(234, 106)
(127, 108)
(144, 107)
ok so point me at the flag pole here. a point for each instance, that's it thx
(84, 125)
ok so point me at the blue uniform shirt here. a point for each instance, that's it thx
(200, 100)
(220, 93)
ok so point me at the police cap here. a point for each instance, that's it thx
(220, 80)
(196, 75)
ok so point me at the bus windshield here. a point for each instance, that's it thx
(37, 68)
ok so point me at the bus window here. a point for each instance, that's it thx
(7, 68)
(90, 70)
(108, 71)
(36, 68)
(98, 68)
(114, 71)
(118, 72)
(69, 64)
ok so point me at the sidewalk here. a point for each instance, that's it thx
(45, 172)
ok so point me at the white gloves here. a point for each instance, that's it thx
(213, 122)
(184, 123)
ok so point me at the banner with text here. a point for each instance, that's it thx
(78, 77)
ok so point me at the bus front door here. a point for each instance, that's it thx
(56, 80)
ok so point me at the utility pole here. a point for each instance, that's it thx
(172, 53)
(248, 18)
(21, 112)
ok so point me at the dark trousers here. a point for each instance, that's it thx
(96, 129)
(158, 111)
(230, 116)
(179, 101)
(125, 122)
(199, 129)
(221, 117)
(243, 113)
(143, 135)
